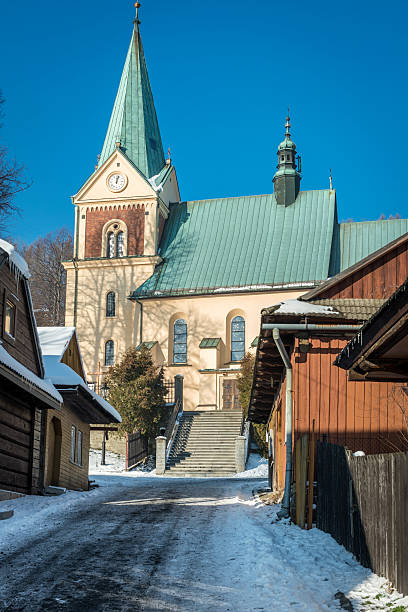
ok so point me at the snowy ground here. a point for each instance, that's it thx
(182, 545)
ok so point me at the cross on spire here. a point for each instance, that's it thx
(287, 125)
(137, 7)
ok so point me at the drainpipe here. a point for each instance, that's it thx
(75, 259)
(309, 327)
(284, 512)
(141, 320)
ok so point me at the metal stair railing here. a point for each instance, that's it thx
(173, 425)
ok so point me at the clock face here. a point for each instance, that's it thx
(116, 182)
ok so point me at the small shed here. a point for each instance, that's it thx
(68, 431)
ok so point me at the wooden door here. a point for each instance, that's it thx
(230, 395)
(54, 451)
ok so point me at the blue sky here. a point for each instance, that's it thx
(222, 76)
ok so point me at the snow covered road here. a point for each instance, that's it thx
(173, 544)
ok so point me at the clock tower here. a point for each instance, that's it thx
(120, 213)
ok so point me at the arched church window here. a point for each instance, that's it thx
(180, 341)
(120, 244)
(110, 304)
(237, 338)
(110, 245)
(109, 353)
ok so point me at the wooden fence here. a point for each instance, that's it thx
(304, 480)
(362, 502)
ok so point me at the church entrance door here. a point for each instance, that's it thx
(230, 395)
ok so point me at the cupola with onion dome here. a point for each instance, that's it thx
(287, 178)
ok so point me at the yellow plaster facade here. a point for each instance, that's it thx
(89, 280)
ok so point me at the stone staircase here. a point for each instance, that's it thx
(205, 444)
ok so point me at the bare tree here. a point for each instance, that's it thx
(11, 178)
(48, 277)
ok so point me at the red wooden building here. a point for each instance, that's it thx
(313, 330)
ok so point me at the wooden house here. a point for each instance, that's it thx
(25, 395)
(313, 330)
(68, 430)
(379, 352)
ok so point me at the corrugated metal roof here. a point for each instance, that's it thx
(357, 240)
(210, 342)
(133, 121)
(244, 243)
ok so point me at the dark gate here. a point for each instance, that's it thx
(136, 449)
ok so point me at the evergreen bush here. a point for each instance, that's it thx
(137, 390)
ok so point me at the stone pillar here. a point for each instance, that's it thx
(161, 443)
(240, 453)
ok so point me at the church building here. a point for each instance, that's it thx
(189, 279)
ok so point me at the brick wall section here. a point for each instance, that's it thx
(114, 444)
(133, 216)
(71, 476)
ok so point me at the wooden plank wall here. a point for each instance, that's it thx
(23, 347)
(72, 357)
(376, 281)
(16, 436)
(357, 414)
(362, 503)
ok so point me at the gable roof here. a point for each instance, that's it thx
(133, 121)
(247, 243)
(55, 340)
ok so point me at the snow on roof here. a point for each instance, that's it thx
(61, 374)
(17, 262)
(54, 340)
(42, 383)
(298, 307)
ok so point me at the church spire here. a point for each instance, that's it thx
(133, 122)
(287, 178)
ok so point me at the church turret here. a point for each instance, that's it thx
(133, 124)
(287, 178)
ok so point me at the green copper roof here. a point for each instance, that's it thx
(210, 342)
(356, 240)
(244, 244)
(148, 344)
(255, 341)
(133, 121)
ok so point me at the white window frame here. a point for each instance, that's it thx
(79, 447)
(73, 443)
